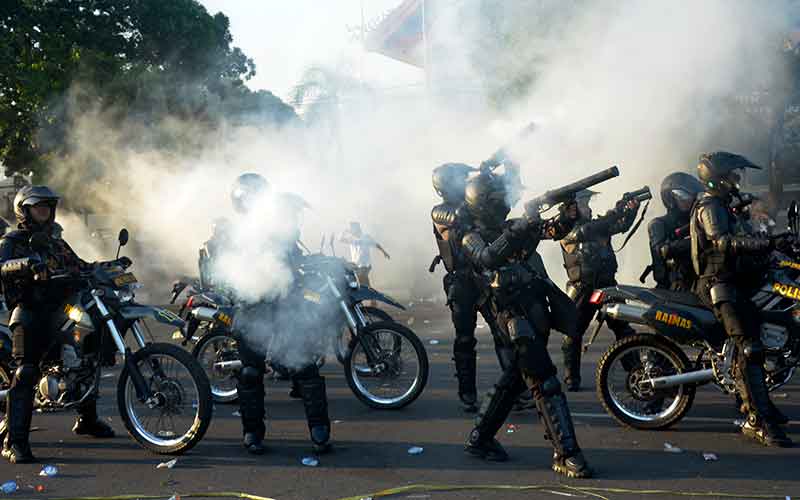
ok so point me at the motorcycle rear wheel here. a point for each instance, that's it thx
(632, 359)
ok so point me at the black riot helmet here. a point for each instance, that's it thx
(582, 199)
(718, 173)
(486, 197)
(29, 196)
(247, 189)
(679, 190)
(450, 181)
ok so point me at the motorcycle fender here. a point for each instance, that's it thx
(161, 315)
(364, 293)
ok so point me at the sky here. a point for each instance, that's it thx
(285, 38)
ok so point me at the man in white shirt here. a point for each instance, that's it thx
(361, 246)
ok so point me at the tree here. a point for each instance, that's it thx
(142, 58)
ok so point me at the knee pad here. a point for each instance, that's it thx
(251, 376)
(464, 344)
(550, 387)
(520, 328)
(20, 317)
(25, 376)
(534, 360)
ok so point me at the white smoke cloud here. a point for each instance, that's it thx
(637, 84)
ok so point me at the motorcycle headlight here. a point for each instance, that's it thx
(124, 295)
(78, 315)
(75, 313)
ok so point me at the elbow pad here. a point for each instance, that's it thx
(501, 248)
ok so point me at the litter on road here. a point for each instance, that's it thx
(416, 450)
(167, 465)
(671, 448)
(49, 471)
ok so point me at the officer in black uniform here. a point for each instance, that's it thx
(591, 263)
(521, 301)
(451, 221)
(36, 308)
(670, 247)
(248, 193)
(725, 258)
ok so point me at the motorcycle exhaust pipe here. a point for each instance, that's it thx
(234, 365)
(681, 379)
(204, 313)
(627, 312)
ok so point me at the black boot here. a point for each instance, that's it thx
(767, 433)
(315, 400)
(295, 393)
(19, 412)
(571, 349)
(88, 424)
(251, 408)
(465, 373)
(554, 412)
(761, 424)
(493, 413)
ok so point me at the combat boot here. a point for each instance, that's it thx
(315, 400)
(554, 412)
(466, 367)
(571, 349)
(88, 424)
(493, 413)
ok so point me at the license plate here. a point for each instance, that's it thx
(125, 279)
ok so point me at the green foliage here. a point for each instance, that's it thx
(146, 59)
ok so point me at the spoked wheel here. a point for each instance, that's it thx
(211, 349)
(177, 415)
(387, 366)
(622, 388)
(342, 344)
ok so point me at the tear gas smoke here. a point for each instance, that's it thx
(642, 85)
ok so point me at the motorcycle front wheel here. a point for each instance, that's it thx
(386, 366)
(342, 345)
(212, 348)
(622, 388)
(177, 415)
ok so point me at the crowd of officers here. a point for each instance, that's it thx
(493, 268)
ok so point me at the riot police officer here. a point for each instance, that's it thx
(36, 307)
(249, 193)
(723, 258)
(451, 221)
(591, 263)
(670, 247)
(521, 301)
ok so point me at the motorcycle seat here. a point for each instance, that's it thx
(650, 295)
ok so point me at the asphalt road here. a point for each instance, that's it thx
(371, 447)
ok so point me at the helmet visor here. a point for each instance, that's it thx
(683, 199)
(36, 200)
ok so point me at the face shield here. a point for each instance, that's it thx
(683, 199)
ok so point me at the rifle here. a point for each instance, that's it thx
(641, 195)
(567, 193)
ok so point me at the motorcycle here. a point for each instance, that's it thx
(647, 380)
(163, 394)
(385, 363)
